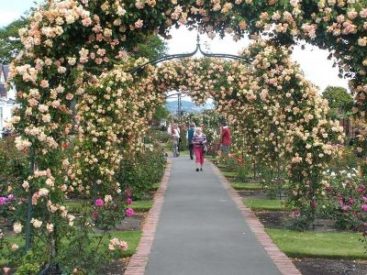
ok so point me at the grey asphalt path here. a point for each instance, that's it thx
(201, 231)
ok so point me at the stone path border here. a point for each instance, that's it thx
(139, 260)
(283, 263)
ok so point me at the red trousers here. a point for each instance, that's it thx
(199, 155)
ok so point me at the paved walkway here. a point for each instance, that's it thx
(202, 231)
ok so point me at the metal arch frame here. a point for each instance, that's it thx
(186, 55)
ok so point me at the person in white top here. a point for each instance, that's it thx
(175, 135)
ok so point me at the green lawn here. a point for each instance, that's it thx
(229, 174)
(76, 205)
(246, 186)
(319, 244)
(265, 204)
(142, 206)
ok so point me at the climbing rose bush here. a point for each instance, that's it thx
(70, 45)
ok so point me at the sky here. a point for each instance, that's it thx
(313, 61)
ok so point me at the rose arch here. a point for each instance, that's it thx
(75, 85)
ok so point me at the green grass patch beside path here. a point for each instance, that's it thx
(229, 174)
(142, 206)
(265, 204)
(246, 186)
(336, 245)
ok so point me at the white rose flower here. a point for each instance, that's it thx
(50, 227)
(17, 227)
(36, 223)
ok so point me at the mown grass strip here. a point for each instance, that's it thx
(246, 186)
(333, 245)
(142, 206)
(265, 204)
(229, 174)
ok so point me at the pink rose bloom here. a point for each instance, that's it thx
(3, 200)
(364, 207)
(129, 201)
(139, 24)
(129, 212)
(361, 189)
(364, 198)
(99, 202)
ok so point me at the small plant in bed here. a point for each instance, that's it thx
(141, 173)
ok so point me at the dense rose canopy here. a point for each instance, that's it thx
(69, 91)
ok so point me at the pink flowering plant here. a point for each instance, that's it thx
(345, 198)
(107, 212)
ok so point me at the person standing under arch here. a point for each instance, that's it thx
(175, 135)
(199, 141)
(190, 136)
(225, 139)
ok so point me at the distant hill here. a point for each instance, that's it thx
(188, 107)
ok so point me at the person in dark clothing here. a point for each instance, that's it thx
(190, 135)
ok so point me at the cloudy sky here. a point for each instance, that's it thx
(313, 61)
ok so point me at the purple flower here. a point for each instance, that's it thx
(10, 197)
(99, 202)
(364, 207)
(129, 212)
(3, 200)
(361, 189)
(129, 201)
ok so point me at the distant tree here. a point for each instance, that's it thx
(10, 44)
(340, 101)
(161, 113)
(151, 47)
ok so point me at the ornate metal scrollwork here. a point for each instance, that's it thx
(186, 55)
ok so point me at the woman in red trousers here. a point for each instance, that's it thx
(199, 142)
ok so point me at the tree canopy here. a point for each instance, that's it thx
(10, 43)
(340, 101)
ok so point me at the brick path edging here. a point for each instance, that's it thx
(139, 260)
(283, 263)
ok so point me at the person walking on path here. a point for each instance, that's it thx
(175, 135)
(199, 142)
(190, 136)
(225, 139)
